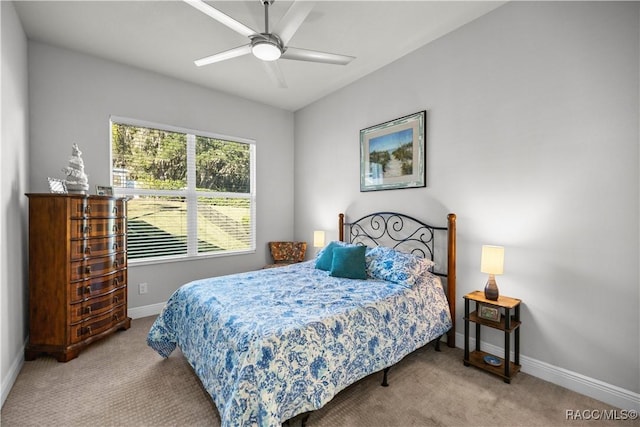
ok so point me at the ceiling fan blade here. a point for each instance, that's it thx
(292, 20)
(221, 17)
(316, 56)
(275, 73)
(227, 54)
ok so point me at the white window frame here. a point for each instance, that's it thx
(190, 194)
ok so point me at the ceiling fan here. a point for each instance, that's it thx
(269, 46)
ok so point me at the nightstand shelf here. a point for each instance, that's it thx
(476, 358)
(509, 323)
(473, 317)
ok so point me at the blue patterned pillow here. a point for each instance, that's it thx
(349, 262)
(394, 266)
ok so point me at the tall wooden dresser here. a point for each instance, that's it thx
(77, 272)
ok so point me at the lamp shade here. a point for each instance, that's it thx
(492, 260)
(318, 239)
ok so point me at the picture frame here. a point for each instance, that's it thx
(57, 185)
(489, 312)
(393, 154)
(104, 190)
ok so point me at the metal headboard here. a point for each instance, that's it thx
(394, 230)
(408, 234)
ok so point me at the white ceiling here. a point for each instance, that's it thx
(167, 36)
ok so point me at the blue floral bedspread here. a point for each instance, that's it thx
(271, 344)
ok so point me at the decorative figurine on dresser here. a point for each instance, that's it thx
(77, 272)
(77, 180)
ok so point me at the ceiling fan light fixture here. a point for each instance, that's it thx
(266, 50)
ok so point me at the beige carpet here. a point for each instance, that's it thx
(119, 381)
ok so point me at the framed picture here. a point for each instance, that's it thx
(104, 190)
(57, 185)
(393, 154)
(489, 312)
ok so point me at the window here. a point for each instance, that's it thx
(191, 193)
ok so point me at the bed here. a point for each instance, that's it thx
(274, 344)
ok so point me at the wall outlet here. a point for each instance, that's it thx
(143, 288)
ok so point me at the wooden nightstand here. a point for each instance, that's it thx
(509, 322)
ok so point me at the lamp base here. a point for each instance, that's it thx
(491, 289)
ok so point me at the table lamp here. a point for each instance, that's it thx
(318, 239)
(492, 262)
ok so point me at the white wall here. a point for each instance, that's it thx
(532, 140)
(13, 184)
(71, 99)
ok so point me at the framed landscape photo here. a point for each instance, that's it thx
(393, 154)
(489, 312)
(104, 190)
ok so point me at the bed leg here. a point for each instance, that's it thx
(384, 377)
(438, 343)
(305, 418)
(297, 421)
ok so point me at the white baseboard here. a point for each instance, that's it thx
(604, 392)
(145, 311)
(14, 370)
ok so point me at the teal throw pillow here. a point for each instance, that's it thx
(349, 262)
(324, 260)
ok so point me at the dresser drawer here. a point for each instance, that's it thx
(97, 286)
(97, 227)
(93, 267)
(97, 247)
(85, 208)
(96, 325)
(97, 306)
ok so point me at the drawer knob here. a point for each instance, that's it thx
(116, 300)
(87, 310)
(116, 282)
(87, 290)
(87, 269)
(115, 246)
(115, 210)
(87, 229)
(115, 228)
(87, 250)
(88, 330)
(87, 209)
(115, 264)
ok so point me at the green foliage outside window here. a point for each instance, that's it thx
(152, 166)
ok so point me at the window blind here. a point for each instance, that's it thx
(191, 193)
